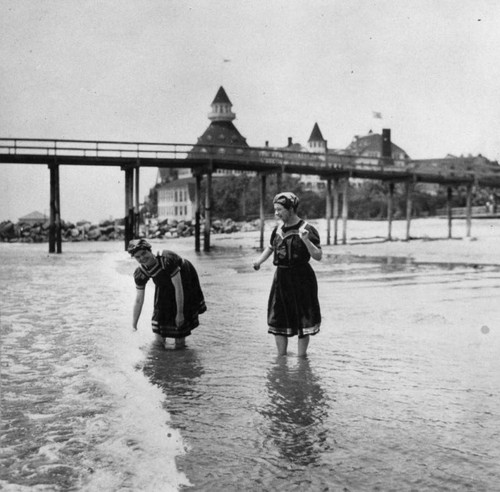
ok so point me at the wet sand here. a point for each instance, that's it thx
(429, 240)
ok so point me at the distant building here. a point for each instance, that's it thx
(176, 191)
(176, 187)
(367, 147)
(34, 218)
(176, 200)
(316, 143)
(454, 165)
(370, 146)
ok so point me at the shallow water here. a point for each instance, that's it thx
(399, 390)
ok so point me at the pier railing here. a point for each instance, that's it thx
(273, 157)
(92, 148)
(261, 159)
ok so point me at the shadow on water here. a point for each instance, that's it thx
(296, 411)
(176, 372)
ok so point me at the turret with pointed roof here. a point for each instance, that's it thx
(221, 130)
(220, 134)
(316, 140)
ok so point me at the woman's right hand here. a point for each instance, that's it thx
(256, 265)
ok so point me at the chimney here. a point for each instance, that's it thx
(289, 141)
(267, 143)
(386, 143)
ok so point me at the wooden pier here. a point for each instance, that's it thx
(204, 160)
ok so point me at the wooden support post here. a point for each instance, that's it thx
(279, 181)
(52, 213)
(468, 210)
(345, 210)
(208, 213)
(197, 205)
(328, 209)
(390, 204)
(409, 206)
(129, 205)
(335, 210)
(137, 204)
(55, 245)
(449, 195)
(58, 212)
(386, 152)
(262, 209)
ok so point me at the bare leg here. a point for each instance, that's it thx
(159, 339)
(302, 346)
(180, 342)
(281, 344)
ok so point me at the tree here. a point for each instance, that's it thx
(150, 206)
(238, 196)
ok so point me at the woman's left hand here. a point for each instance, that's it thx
(304, 233)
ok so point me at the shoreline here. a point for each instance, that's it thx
(429, 242)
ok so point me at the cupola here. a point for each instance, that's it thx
(221, 107)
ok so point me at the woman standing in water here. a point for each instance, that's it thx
(178, 296)
(293, 307)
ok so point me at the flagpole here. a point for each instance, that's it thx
(377, 115)
(224, 61)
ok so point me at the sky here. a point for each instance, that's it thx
(147, 70)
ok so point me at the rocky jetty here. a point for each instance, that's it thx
(114, 230)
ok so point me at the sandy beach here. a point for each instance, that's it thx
(429, 240)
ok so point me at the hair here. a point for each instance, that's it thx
(138, 245)
(287, 199)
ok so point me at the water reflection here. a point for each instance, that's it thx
(296, 411)
(177, 372)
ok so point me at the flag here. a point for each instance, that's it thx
(378, 115)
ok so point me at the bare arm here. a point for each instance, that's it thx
(179, 298)
(263, 257)
(315, 252)
(139, 301)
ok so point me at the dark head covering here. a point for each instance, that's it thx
(137, 245)
(287, 199)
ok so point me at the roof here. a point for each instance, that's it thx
(295, 147)
(165, 174)
(370, 142)
(34, 216)
(316, 135)
(222, 133)
(221, 97)
(178, 183)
